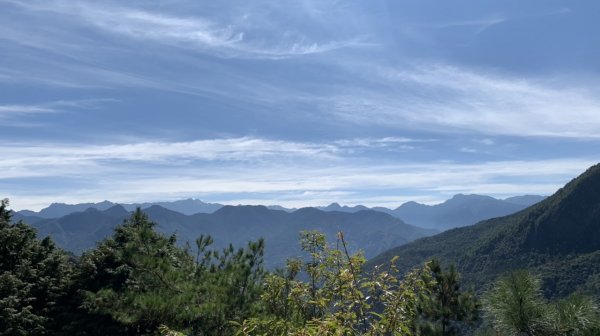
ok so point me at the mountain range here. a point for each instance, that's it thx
(458, 211)
(187, 207)
(557, 238)
(368, 230)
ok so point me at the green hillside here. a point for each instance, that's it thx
(558, 238)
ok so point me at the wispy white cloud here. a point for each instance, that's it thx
(480, 25)
(268, 171)
(379, 142)
(21, 160)
(89, 48)
(12, 110)
(447, 98)
(486, 141)
(395, 143)
(500, 188)
(62, 160)
(468, 150)
(194, 32)
(299, 186)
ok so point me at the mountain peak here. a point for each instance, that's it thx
(241, 209)
(410, 205)
(116, 210)
(469, 197)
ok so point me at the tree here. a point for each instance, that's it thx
(576, 315)
(515, 306)
(446, 309)
(137, 278)
(142, 280)
(34, 275)
(337, 298)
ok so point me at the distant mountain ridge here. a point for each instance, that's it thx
(558, 238)
(337, 207)
(458, 211)
(188, 206)
(371, 231)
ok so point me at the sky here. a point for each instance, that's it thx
(296, 103)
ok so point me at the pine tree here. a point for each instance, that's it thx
(515, 306)
(34, 276)
(142, 281)
(446, 308)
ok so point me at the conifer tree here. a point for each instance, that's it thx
(515, 306)
(142, 281)
(34, 275)
(446, 309)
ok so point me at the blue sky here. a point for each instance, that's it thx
(296, 103)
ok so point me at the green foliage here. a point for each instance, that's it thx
(446, 309)
(140, 282)
(166, 331)
(576, 315)
(135, 277)
(338, 298)
(515, 306)
(33, 278)
(143, 280)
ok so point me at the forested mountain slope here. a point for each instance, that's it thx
(559, 238)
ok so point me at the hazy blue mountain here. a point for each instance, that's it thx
(558, 238)
(28, 213)
(69, 233)
(26, 217)
(279, 207)
(526, 200)
(460, 210)
(188, 206)
(56, 210)
(371, 231)
(117, 211)
(345, 208)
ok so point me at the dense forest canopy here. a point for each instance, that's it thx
(140, 282)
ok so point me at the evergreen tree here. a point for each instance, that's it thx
(141, 280)
(34, 276)
(515, 306)
(576, 315)
(446, 309)
(135, 278)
